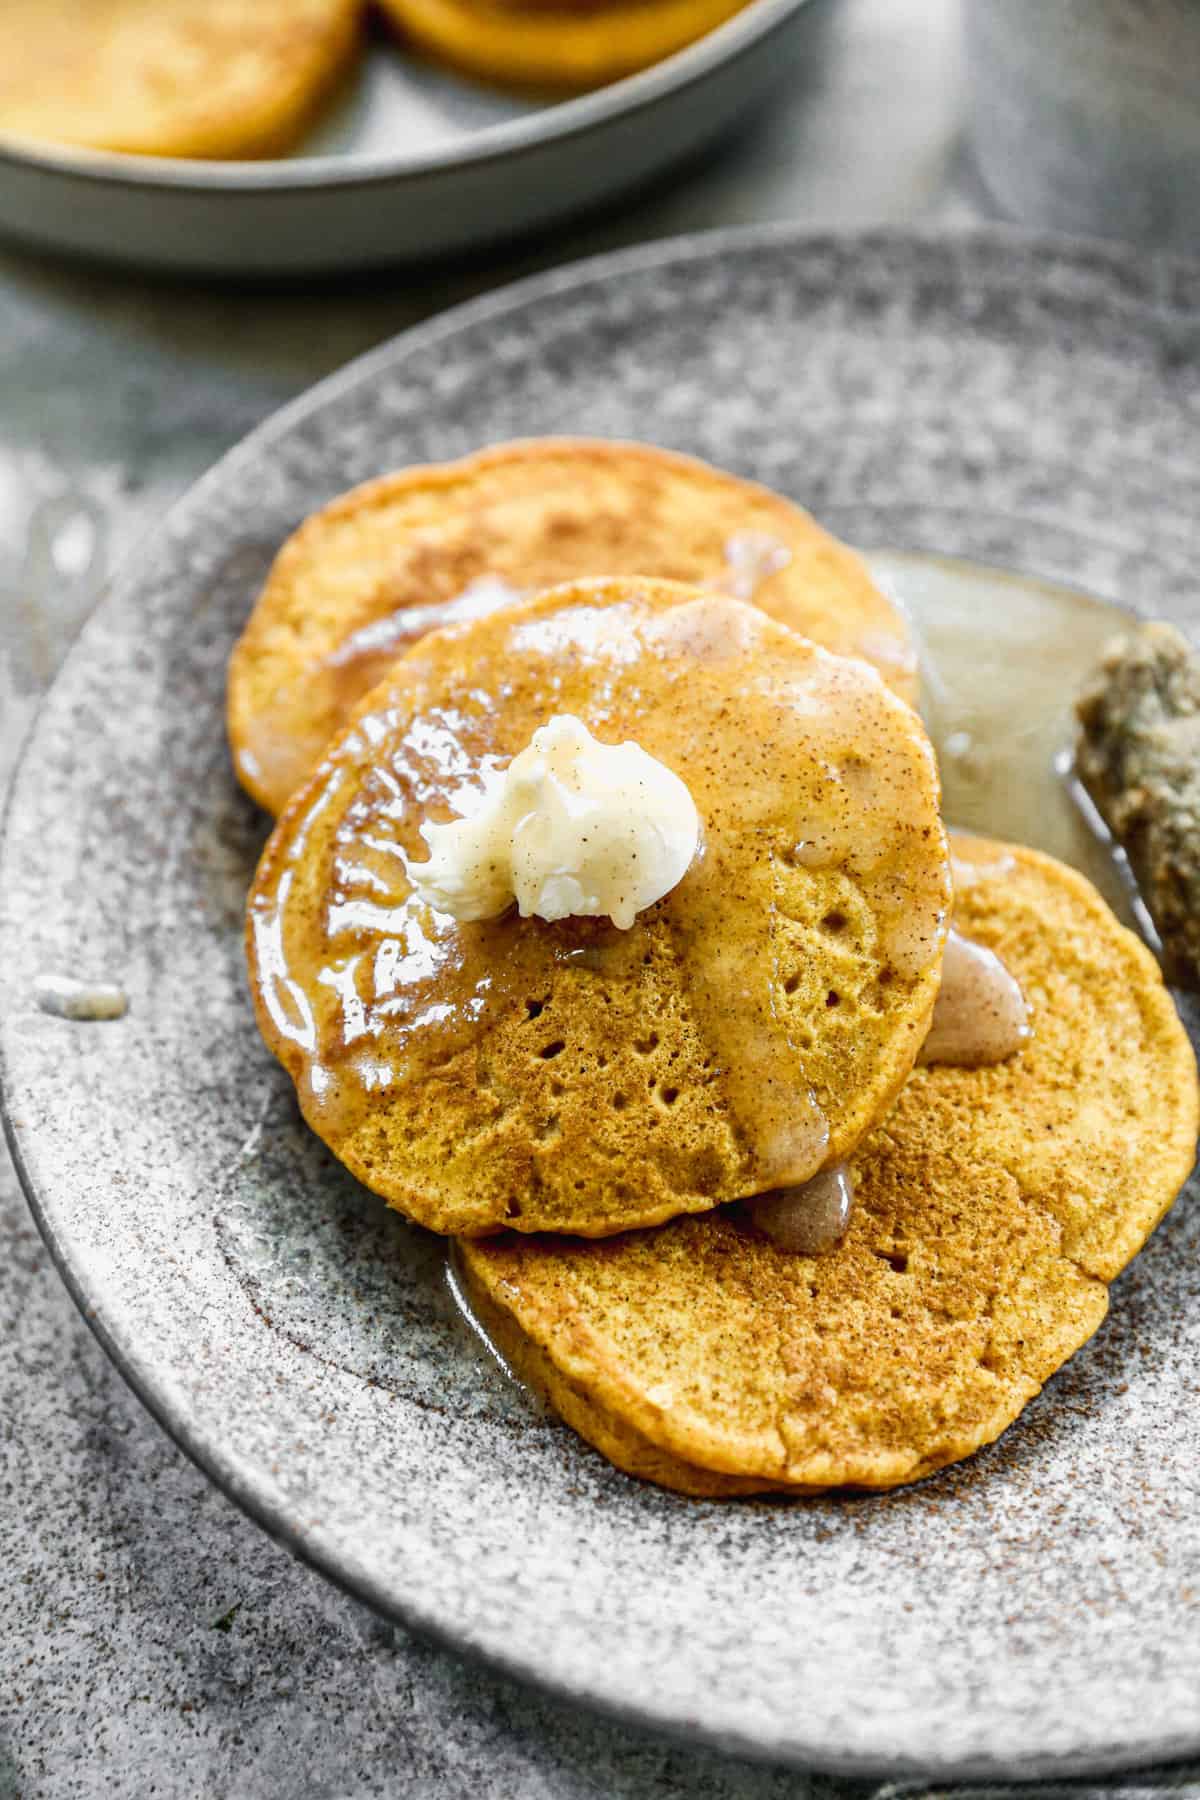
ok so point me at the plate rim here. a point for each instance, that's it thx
(547, 126)
(272, 1514)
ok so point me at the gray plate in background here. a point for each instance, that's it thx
(411, 164)
(992, 397)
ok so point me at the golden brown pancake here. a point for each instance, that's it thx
(994, 1206)
(198, 78)
(363, 579)
(555, 43)
(749, 1026)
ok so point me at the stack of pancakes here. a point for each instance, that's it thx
(588, 1111)
(243, 78)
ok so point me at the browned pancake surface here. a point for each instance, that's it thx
(194, 78)
(994, 1206)
(572, 1076)
(555, 43)
(363, 579)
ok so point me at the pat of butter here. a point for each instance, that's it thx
(572, 827)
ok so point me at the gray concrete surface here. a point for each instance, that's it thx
(153, 1641)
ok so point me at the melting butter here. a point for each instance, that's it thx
(572, 828)
(980, 1016)
(810, 1219)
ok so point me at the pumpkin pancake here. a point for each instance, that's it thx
(555, 43)
(197, 78)
(363, 579)
(571, 1076)
(994, 1205)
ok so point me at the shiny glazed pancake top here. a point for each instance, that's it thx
(361, 581)
(748, 1028)
(993, 1207)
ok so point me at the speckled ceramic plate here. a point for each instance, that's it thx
(410, 162)
(991, 397)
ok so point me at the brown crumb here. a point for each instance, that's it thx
(1138, 756)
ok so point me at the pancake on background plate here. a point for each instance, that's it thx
(994, 1205)
(748, 1028)
(365, 577)
(196, 78)
(555, 43)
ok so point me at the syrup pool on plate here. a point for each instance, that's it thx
(1002, 659)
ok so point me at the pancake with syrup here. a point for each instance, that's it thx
(994, 1205)
(749, 1027)
(367, 576)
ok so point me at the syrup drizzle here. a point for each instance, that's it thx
(980, 1016)
(372, 989)
(809, 1220)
